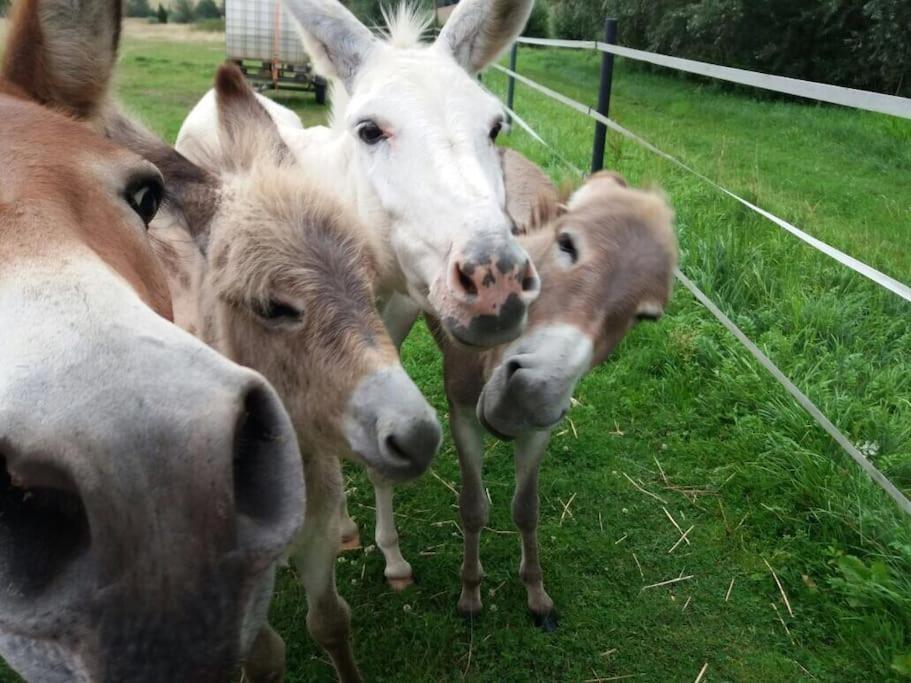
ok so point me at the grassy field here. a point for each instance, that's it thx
(682, 410)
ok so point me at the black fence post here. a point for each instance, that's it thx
(511, 83)
(604, 91)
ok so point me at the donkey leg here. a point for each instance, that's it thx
(351, 536)
(328, 615)
(474, 507)
(265, 663)
(398, 571)
(399, 315)
(530, 449)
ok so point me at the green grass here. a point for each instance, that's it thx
(682, 393)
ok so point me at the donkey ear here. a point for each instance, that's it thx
(336, 41)
(61, 53)
(245, 129)
(479, 30)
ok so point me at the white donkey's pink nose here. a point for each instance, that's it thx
(487, 293)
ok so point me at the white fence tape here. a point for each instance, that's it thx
(821, 92)
(854, 264)
(818, 416)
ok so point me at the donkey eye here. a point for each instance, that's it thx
(370, 132)
(567, 246)
(144, 197)
(277, 312)
(495, 130)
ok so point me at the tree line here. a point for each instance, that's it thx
(856, 43)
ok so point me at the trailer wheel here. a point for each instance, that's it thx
(319, 89)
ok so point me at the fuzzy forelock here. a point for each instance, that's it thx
(406, 25)
(269, 199)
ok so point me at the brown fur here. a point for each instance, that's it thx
(531, 200)
(54, 172)
(48, 58)
(273, 241)
(628, 257)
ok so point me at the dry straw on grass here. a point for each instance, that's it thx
(668, 582)
(444, 482)
(784, 595)
(566, 506)
(648, 493)
(682, 539)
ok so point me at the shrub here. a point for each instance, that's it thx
(538, 25)
(207, 9)
(182, 12)
(162, 14)
(578, 19)
(845, 42)
(137, 8)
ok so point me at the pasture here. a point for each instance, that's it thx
(681, 420)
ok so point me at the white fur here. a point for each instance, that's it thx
(434, 184)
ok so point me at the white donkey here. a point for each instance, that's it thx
(411, 148)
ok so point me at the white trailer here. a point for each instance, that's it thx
(262, 41)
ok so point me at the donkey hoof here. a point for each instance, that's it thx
(350, 543)
(470, 615)
(547, 621)
(399, 583)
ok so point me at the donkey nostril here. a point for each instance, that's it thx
(530, 280)
(512, 367)
(393, 447)
(465, 282)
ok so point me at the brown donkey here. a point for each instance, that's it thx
(605, 263)
(287, 288)
(130, 549)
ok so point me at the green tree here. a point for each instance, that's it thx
(578, 19)
(844, 42)
(162, 14)
(538, 25)
(207, 9)
(137, 8)
(182, 12)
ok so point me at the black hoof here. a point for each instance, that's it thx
(547, 622)
(469, 617)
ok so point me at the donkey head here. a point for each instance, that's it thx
(289, 291)
(423, 133)
(606, 264)
(135, 542)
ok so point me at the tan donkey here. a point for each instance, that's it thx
(130, 550)
(284, 283)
